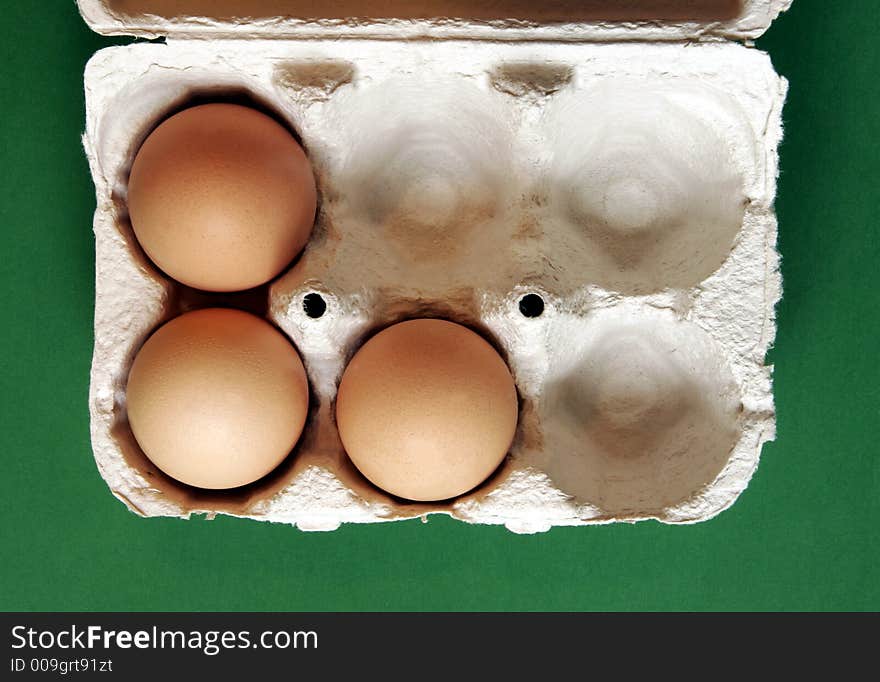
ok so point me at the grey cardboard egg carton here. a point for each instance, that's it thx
(621, 174)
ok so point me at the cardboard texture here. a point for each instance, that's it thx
(622, 174)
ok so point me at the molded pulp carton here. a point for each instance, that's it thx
(617, 161)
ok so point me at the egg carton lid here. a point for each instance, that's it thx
(560, 20)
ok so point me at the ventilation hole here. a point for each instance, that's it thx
(531, 305)
(314, 305)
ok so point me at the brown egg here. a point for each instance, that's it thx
(217, 398)
(427, 409)
(221, 197)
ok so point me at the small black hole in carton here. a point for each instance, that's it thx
(314, 305)
(531, 305)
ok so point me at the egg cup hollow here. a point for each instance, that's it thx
(647, 416)
(648, 187)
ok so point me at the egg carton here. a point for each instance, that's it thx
(592, 192)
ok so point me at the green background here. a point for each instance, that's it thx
(803, 536)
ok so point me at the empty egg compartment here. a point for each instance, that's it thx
(639, 415)
(601, 213)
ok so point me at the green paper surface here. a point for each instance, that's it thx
(802, 536)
